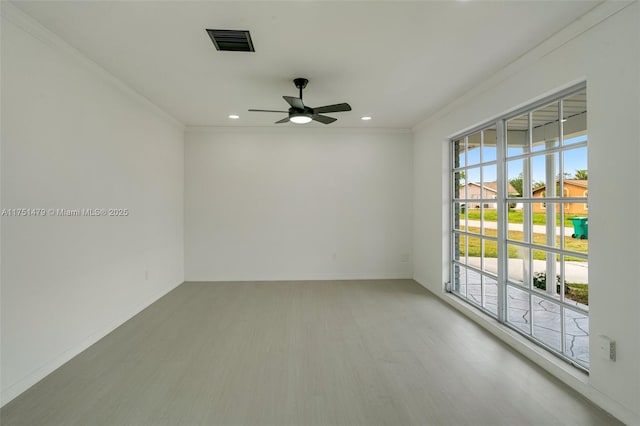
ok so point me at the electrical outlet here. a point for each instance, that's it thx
(606, 347)
(405, 257)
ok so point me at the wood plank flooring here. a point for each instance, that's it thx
(383, 352)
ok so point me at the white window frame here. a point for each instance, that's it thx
(502, 201)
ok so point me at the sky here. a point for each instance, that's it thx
(574, 159)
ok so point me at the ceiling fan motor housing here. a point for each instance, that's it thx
(306, 110)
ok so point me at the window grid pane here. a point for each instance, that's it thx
(543, 273)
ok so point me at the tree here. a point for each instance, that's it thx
(517, 184)
(581, 174)
(538, 184)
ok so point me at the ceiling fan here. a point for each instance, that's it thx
(299, 113)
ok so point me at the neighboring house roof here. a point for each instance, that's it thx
(493, 187)
(582, 183)
(577, 182)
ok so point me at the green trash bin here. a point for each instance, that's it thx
(580, 227)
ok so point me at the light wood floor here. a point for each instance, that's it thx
(300, 353)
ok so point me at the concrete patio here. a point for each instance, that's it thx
(538, 317)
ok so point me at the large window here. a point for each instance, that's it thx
(519, 232)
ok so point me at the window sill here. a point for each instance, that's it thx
(567, 373)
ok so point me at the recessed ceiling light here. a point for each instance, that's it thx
(365, 118)
(234, 116)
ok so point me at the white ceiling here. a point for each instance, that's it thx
(396, 61)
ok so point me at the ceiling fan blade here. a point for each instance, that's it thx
(323, 118)
(332, 108)
(294, 102)
(284, 120)
(268, 110)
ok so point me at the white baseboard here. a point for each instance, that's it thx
(303, 277)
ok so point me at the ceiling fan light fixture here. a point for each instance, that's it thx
(300, 118)
(299, 113)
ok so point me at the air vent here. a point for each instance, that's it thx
(231, 40)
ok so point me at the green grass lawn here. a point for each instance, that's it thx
(577, 292)
(515, 216)
(491, 247)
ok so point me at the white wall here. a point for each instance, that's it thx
(73, 137)
(607, 56)
(297, 203)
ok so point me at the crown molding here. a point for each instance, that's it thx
(297, 128)
(10, 13)
(592, 18)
